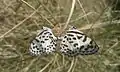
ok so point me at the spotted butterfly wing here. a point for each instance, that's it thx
(44, 42)
(76, 43)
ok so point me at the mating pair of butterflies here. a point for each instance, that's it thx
(73, 43)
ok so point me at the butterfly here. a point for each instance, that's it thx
(44, 43)
(75, 42)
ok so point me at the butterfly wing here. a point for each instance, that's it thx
(44, 42)
(75, 43)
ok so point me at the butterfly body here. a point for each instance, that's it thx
(73, 43)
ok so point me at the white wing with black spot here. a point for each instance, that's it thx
(76, 43)
(43, 43)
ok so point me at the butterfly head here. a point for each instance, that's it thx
(72, 27)
(46, 28)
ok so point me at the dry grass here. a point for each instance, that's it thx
(20, 20)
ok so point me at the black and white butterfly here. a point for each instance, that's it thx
(43, 43)
(75, 42)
